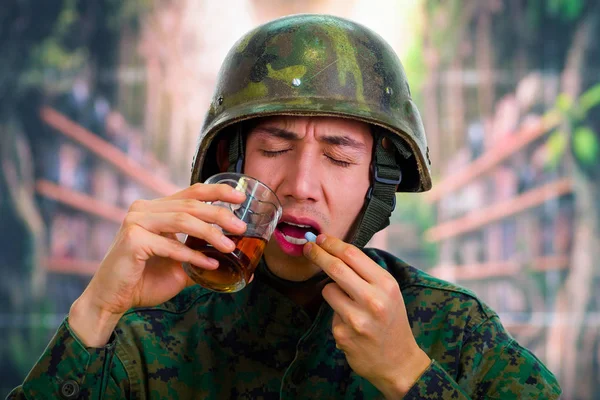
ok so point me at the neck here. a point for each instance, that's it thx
(306, 294)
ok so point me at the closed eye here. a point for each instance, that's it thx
(275, 153)
(337, 162)
(268, 153)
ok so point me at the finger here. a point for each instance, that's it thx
(146, 244)
(337, 270)
(342, 333)
(365, 267)
(181, 222)
(209, 192)
(336, 325)
(339, 301)
(202, 211)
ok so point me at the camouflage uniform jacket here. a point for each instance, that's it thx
(258, 344)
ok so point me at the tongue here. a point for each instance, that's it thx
(293, 231)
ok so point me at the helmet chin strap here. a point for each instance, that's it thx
(236, 150)
(380, 200)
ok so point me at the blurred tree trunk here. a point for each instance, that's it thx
(484, 60)
(573, 352)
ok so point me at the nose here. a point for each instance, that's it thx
(301, 180)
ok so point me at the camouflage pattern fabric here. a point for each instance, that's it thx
(258, 344)
(316, 65)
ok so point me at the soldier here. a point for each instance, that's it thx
(319, 109)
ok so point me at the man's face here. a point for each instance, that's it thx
(319, 167)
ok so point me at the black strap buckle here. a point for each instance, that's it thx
(385, 180)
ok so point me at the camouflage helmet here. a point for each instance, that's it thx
(321, 65)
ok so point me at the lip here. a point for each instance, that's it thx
(294, 250)
(300, 221)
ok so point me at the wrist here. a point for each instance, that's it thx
(402, 381)
(92, 325)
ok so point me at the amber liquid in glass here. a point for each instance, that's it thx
(235, 268)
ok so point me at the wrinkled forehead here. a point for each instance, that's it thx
(320, 125)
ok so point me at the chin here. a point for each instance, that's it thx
(288, 267)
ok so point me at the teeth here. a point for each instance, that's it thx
(294, 240)
(298, 225)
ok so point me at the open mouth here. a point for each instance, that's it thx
(290, 235)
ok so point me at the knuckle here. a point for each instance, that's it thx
(337, 268)
(357, 323)
(224, 189)
(197, 189)
(137, 205)
(339, 334)
(223, 214)
(180, 218)
(350, 251)
(328, 290)
(376, 307)
(130, 219)
(130, 233)
(190, 205)
(178, 246)
(390, 287)
(215, 232)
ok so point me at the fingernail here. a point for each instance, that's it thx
(238, 192)
(213, 262)
(311, 237)
(227, 242)
(238, 222)
(321, 238)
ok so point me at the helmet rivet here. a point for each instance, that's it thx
(220, 100)
(389, 91)
(296, 82)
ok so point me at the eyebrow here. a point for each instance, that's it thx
(335, 140)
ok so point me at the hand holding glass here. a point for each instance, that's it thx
(261, 211)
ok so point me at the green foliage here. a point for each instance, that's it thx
(556, 145)
(585, 145)
(567, 9)
(590, 99)
(66, 19)
(60, 38)
(52, 54)
(584, 141)
(564, 103)
(53, 51)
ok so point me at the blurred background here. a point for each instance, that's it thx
(101, 103)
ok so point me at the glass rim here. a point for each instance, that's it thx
(240, 175)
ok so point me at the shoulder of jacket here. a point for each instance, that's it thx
(413, 279)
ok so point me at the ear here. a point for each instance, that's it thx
(222, 155)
